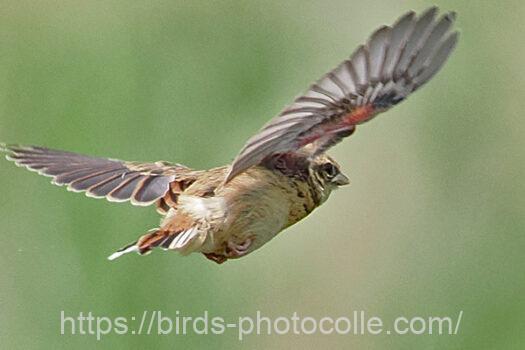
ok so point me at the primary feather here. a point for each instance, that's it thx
(396, 61)
(116, 180)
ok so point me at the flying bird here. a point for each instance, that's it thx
(283, 172)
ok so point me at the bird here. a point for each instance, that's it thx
(283, 172)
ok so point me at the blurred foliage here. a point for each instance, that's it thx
(433, 222)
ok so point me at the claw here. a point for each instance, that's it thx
(236, 250)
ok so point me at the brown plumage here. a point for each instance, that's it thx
(282, 173)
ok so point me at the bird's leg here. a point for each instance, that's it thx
(236, 250)
(232, 250)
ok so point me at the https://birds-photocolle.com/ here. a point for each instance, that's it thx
(283, 172)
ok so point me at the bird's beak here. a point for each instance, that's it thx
(341, 179)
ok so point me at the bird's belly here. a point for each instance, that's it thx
(254, 215)
(263, 224)
(257, 225)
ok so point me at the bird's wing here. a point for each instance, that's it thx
(116, 180)
(395, 61)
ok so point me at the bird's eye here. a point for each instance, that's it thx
(329, 170)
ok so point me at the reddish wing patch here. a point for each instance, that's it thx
(360, 115)
(347, 123)
(322, 131)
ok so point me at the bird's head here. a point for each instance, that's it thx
(327, 174)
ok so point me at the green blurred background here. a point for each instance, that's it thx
(432, 223)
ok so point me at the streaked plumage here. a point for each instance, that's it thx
(282, 173)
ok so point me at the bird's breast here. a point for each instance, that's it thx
(260, 203)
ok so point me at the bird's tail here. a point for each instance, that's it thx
(183, 241)
(144, 244)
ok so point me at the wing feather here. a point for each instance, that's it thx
(417, 38)
(396, 61)
(401, 30)
(378, 47)
(116, 180)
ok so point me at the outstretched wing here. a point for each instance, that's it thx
(118, 181)
(396, 61)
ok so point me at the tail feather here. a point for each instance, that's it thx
(144, 245)
(127, 249)
(182, 241)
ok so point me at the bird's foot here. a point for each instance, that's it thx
(236, 250)
(233, 250)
